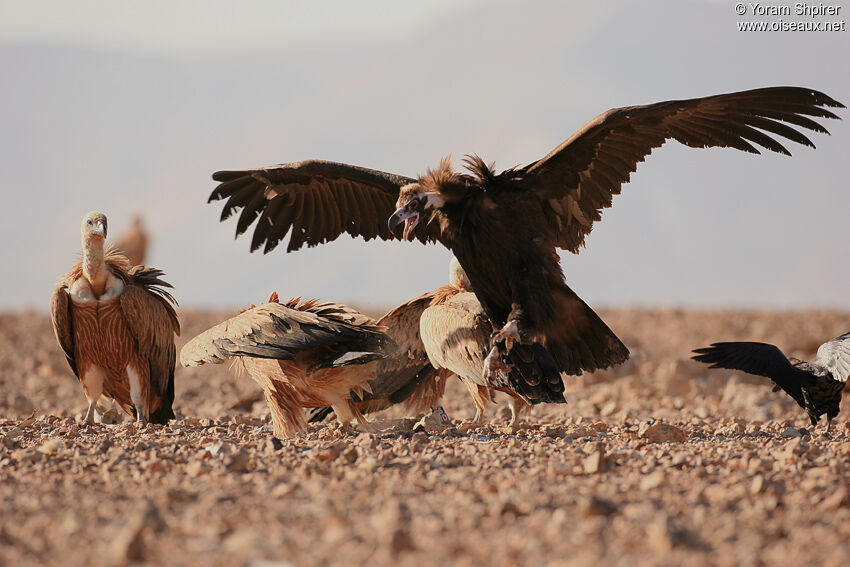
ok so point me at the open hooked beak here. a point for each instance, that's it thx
(410, 222)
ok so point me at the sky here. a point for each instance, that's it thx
(128, 107)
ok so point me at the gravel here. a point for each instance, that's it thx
(657, 462)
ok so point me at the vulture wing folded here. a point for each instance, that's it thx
(579, 178)
(280, 331)
(407, 376)
(313, 201)
(760, 359)
(834, 356)
(60, 313)
(149, 312)
(456, 335)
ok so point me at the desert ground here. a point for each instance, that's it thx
(657, 462)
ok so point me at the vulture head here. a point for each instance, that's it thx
(413, 203)
(458, 277)
(93, 227)
(429, 194)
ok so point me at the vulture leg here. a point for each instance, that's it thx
(480, 397)
(493, 364)
(509, 333)
(828, 425)
(347, 412)
(93, 387)
(517, 407)
(136, 395)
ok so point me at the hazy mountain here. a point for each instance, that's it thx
(122, 132)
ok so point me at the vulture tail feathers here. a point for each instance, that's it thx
(534, 375)
(579, 340)
(164, 413)
(318, 415)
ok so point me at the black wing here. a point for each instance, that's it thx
(579, 178)
(313, 201)
(760, 359)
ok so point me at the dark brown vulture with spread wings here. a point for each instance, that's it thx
(505, 228)
(816, 386)
(312, 355)
(116, 325)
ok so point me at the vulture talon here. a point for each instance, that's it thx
(509, 333)
(493, 364)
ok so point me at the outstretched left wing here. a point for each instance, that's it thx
(579, 178)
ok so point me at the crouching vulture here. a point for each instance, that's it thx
(116, 325)
(456, 333)
(815, 386)
(306, 354)
(449, 328)
(505, 228)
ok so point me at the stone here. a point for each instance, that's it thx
(658, 432)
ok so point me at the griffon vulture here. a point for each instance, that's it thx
(455, 338)
(815, 386)
(505, 228)
(311, 355)
(456, 333)
(116, 325)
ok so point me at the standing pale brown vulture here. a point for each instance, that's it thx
(133, 243)
(456, 334)
(116, 325)
(505, 228)
(312, 355)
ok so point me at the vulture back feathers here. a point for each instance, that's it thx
(304, 354)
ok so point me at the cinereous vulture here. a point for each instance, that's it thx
(505, 228)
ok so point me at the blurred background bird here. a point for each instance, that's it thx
(133, 242)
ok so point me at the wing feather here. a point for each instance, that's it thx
(153, 322)
(834, 355)
(761, 359)
(60, 314)
(602, 155)
(278, 331)
(324, 199)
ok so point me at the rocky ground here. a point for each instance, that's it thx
(659, 462)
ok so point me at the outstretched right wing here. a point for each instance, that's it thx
(761, 359)
(314, 201)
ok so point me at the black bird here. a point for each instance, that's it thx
(815, 386)
(505, 228)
